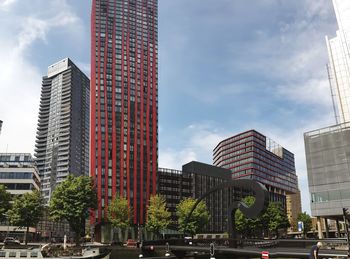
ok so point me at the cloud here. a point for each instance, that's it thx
(200, 140)
(20, 78)
(313, 91)
(6, 4)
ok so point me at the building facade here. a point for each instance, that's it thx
(19, 174)
(62, 140)
(328, 161)
(174, 185)
(204, 178)
(339, 62)
(193, 181)
(251, 155)
(293, 209)
(124, 103)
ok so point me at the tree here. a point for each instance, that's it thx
(275, 217)
(119, 213)
(5, 205)
(26, 211)
(71, 201)
(245, 226)
(198, 219)
(158, 216)
(306, 219)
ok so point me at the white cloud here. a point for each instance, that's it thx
(6, 4)
(313, 91)
(200, 139)
(20, 79)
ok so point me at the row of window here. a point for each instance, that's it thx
(333, 195)
(16, 175)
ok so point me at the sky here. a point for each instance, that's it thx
(225, 66)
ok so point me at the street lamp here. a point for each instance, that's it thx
(5, 214)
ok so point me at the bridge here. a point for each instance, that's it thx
(248, 248)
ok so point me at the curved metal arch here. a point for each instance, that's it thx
(253, 211)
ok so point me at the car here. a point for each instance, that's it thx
(131, 243)
(11, 241)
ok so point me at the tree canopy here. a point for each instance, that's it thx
(27, 210)
(119, 213)
(306, 219)
(71, 201)
(245, 226)
(5, 205)
(158, 216)
(271, 220)
(198, 219)
(275, 218)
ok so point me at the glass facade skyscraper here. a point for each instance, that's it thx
(339, 62)
(124, 103)
(62, 140)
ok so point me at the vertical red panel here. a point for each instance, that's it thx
(106, 119)
(128, 115)
(122, 113)
(114, 139)
(135, 208)
(141, 127)
(154, 108)
(93, 101)
(148, 119)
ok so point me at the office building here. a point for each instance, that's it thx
(339, 62)
(174, 185)
(19, 174)
(124, 104)
(251, 155)
(194, 180)
(328, 161)
(62, 141)
(293, 209)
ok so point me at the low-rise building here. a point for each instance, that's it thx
(19, 174)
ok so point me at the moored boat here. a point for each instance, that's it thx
(36, 253)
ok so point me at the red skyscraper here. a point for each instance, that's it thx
(124, 103)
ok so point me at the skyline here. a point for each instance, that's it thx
(275, 61)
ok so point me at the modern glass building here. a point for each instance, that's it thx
(328, 162)
(251, 155)
(124, 103)
(62, 140)
(339, 62)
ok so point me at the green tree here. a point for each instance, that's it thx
(275, 218)
(247, 227)
(119, 213)
(26, 211)
(158, 216)
(71, 201)
(198, 219)
(306, 219)
(5, 205)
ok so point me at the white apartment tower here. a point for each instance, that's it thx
(339, 62)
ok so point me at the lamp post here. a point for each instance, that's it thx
(345, 217)
(6, 215)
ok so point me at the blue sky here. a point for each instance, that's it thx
(225, 66)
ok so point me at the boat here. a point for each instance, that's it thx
(37, 253)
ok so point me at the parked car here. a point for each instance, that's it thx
(131, 243)
(11, 241)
